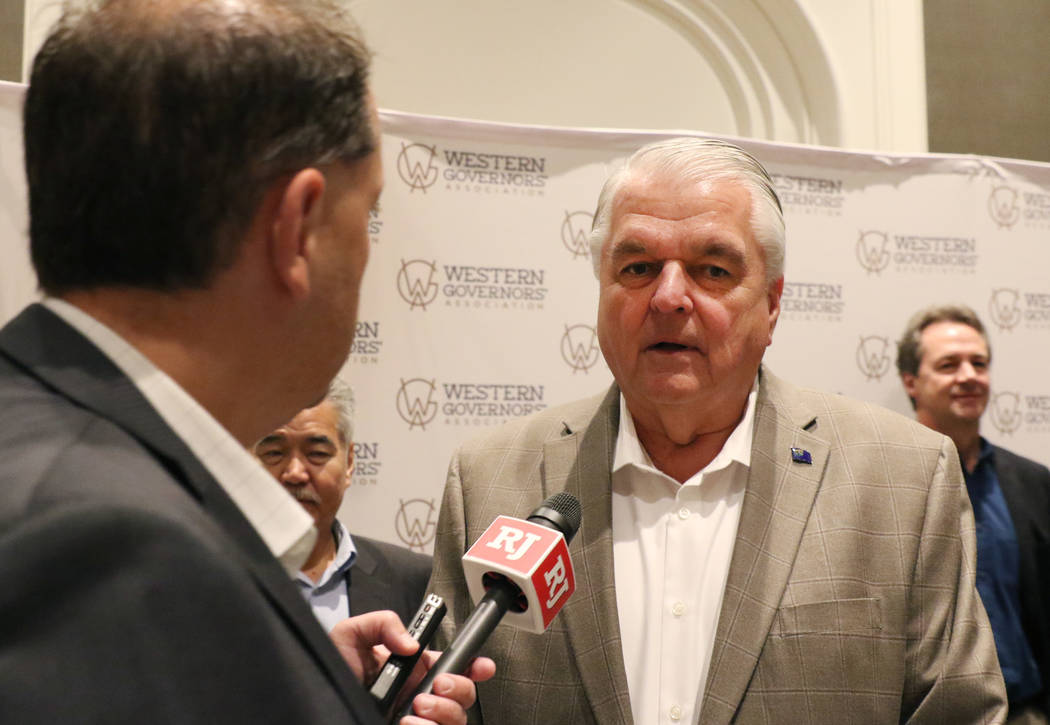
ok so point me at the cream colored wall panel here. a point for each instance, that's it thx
(844, 73)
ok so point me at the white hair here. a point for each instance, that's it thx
(697, 159)
(341, 396)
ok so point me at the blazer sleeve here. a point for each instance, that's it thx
(447, 579)
(112, 613)
(952, 669)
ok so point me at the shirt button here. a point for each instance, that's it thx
(683, 513)
(678, 609)
(676, 713)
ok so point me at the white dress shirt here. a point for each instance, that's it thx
(279, 520)
(672, 544)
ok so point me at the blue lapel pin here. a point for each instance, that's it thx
(801, 455)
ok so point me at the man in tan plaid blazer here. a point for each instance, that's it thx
(829, 565)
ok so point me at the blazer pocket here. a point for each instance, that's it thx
(836, 616)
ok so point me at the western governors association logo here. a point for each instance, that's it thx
(367, 344)
(416, 522)
(1003, 206)
(1004, 308)
(1007, 206)
(812, 301)
(1005, 411)
(872, 252)
(367, 463)
(416, 283)
(873, 358)
(420, 282)
(576, 232)
(1010, 308)
(416, 166)
(916, 253)
(419, 400)
(415, 402)
(579, 347)
(420, 166)
(1011, 411)
(810, 194)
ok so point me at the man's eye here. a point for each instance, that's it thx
(270, 456)
(717, 272)
(319, 456)
(637, 269)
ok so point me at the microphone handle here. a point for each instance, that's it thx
(469, 639)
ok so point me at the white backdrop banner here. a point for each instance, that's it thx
(479, 303)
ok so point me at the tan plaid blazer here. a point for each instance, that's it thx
(850, 596)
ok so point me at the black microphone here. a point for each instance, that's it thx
(520, 567)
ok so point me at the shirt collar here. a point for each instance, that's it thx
(630, 451)
(345, 553)
(280, 521)
(986, 452)
(345, 557)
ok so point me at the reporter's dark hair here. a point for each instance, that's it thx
(152, 131)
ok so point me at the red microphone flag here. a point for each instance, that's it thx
(533, 557)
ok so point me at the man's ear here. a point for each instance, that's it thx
(297, 216)
(775, 291)
(908, 380)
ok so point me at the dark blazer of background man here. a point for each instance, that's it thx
(845, 594)
(944, 361)
(312, 455)
(200, 175)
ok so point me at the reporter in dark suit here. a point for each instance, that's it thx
(945, 361)
(200, 175)
(312, 455)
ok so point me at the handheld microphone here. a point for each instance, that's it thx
(516, 566)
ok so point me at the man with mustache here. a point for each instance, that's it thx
(944, 361)
(312, 456)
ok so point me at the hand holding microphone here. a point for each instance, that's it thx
(518, 569)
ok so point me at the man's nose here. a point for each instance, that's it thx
(672, 290)
(295, 472)
(967, 371)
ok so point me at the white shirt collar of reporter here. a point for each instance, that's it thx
(287, 530)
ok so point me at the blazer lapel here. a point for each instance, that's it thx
(580, 462)
(49, 349)
(777, 502)
(366, 595)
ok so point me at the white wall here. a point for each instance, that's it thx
(845, 73)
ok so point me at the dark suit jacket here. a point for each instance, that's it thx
(385, 576)
(1026, 488)
(132, 589)
(850, 596)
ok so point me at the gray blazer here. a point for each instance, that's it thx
(131, 587)
(850, 594)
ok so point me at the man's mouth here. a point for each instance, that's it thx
(669, 347)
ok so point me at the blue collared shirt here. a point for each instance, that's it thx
(998, 566)
(330, 597)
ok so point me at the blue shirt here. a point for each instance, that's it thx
(329, 597)
(998, 566)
